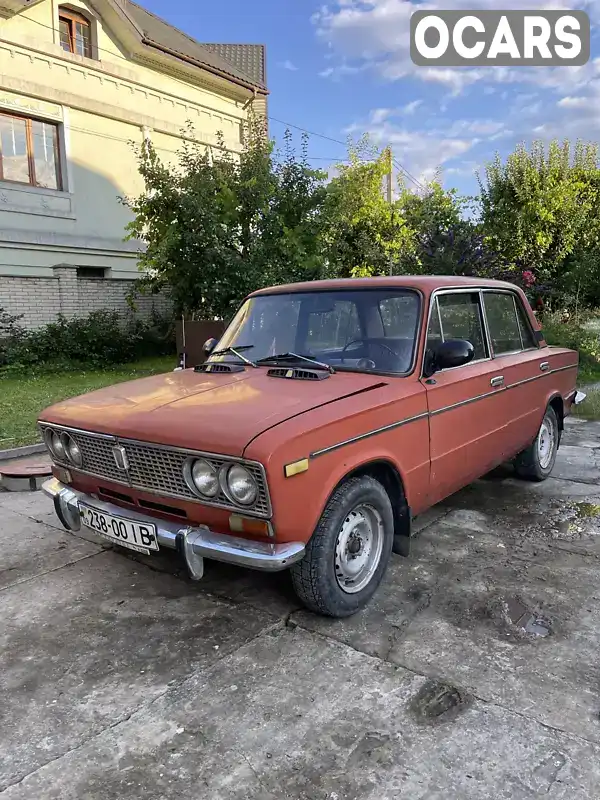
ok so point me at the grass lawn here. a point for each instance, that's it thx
(590, 408)
(22, 398)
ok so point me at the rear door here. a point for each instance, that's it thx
(518, 359)
(466, 404)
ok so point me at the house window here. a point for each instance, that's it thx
(29, 152)
(91, 272)
(75, 32)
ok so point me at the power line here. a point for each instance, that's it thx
(408, 175)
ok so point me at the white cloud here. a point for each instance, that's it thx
(378, 115)
(374, 35)
(463, 169)
(410, 108)
(289, 65)
(422, 152)
(574, 102)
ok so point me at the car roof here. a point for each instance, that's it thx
(426, 283)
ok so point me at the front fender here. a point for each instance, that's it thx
(398, 434)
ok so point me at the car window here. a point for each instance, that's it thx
(503, 325)
(334, 328)
(273, 329)
(398, 316)
(458, 316)
(527, 335)
(369, 329)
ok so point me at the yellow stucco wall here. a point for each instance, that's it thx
(101, 106)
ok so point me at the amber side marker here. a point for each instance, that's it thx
(63, 475)
(296, 468)
(246, 525)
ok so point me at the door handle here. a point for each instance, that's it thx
(545, 366)
(497, 381)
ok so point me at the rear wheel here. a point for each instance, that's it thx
(349, 551)
(537, 461)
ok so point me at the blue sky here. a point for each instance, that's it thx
(342, 67)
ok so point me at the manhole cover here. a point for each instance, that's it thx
(25, 475)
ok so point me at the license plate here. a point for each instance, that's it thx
(138, 536)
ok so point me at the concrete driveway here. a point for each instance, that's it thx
(475, 674)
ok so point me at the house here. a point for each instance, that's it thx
(80, 82)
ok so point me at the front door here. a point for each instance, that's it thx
(466, 404)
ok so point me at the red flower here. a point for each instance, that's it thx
(528, 278)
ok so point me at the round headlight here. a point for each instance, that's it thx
(241, 484)
(56, 446)
(204, 478)
(72, 450)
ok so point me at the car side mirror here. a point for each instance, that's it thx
(449, 354)
(209, 346)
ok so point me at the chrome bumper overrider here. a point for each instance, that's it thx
(194, 544)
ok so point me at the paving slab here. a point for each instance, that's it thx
(83, 647)
(582, 433)
(28, 548)
(580, 464)
(121, 681)
(292, 715)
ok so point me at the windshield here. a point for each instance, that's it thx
(372, 330)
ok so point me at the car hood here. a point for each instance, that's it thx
(220, 413)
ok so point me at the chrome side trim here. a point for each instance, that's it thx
(428, 414)
(198, 542)
(368, 435)
(465, 402)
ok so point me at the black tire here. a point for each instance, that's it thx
(317, 577)
(529, 464)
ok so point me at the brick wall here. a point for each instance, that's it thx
(38, 299)
(41, 299)
(95, 294)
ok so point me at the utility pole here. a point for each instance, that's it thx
(389, 194)
(389, 174)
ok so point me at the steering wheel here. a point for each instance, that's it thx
(367, 341)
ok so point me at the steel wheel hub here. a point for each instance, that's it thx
(358, 548)
(545, 444)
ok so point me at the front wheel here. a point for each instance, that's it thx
(537, 461)
(349, 551)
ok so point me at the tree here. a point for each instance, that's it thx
(444, 240)
(217, 227)
(540, 209)
(362, 233)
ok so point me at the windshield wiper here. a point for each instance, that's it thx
(235, 351)
(295, 356)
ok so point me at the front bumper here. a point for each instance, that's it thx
(193, 543)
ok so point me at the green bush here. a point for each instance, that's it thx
(571, 333)
(100, 339)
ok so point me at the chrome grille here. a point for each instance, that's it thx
(159, 470)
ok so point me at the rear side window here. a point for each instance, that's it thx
(458, 316)
(503, 323)
(527, 335)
